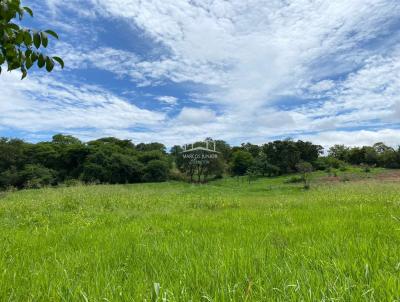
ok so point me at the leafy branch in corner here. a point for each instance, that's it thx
(20, 48)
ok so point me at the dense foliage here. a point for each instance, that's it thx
(67, 160)
(21, 48)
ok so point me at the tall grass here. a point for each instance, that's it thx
(227, 241)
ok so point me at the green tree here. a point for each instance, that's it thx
(254, 150)
(13, 153)
(370, 155)
(21, 48)
(71, 154)
(107, 165)
(148, 156)
(356, 156)
(156, 171)
(241, 162)
(224, 148)
(340, 152)
(151, 147)
(283, 154)
(305, 169)
(263, 167)
(36, 176)
(390, 159)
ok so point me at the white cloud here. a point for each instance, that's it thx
(196, 116)
(169, 100)
(390, 137)
(248, 54)
(252, 49)
(45, 104)
(322, 86)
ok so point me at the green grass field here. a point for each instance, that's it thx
(225, 241)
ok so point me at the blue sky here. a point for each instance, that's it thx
(175, 71)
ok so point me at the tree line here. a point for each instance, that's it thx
(67, 160)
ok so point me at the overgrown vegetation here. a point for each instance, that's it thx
(66, 159)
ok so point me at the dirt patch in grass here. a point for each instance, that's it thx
(330, 179)
(386, 176)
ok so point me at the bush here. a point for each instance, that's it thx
(327, 162)
(10, 178)
(156, 171)
(111, 168)
(321, 164)
(36, 176)
(305, 169)
(241, 162)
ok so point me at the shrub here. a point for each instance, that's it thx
(241, 161)
(36, 176)
(305, 169)
(156, 171)
(324, 163)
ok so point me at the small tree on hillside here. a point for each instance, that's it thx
(241, 162)
(305, 169)
(252, 174)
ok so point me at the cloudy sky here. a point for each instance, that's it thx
(240, 70)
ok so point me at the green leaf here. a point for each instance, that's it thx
(2, 59)
(59, 61)
(27, 38)
(20, 37)
(28, 10)
(28, 53)
(13, 26)
(11, 53)
(36, 39)
(28, 62)
(49, 64)
(45, 40)
(41, 60)
(34, 57)
(51, 33)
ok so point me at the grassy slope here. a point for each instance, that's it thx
(226, 241)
